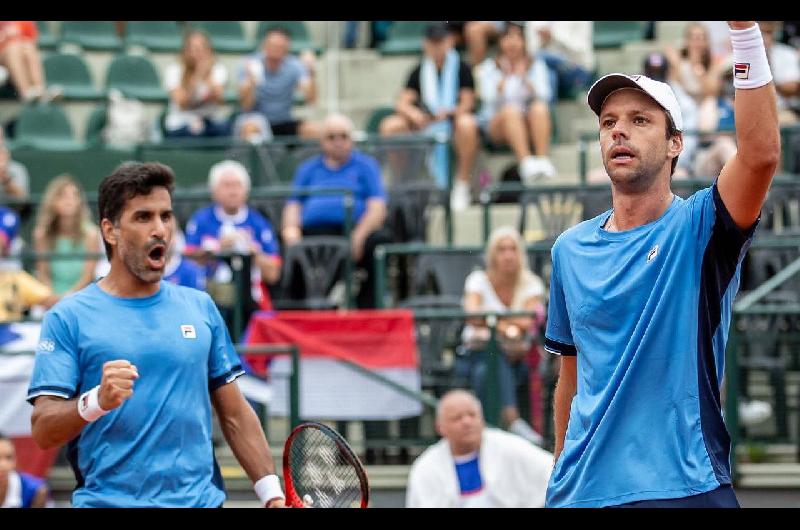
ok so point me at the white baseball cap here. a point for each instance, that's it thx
(660, 92)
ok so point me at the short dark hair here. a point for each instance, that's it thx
(672, 131)
(278, 29)
(129, 180)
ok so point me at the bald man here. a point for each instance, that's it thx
(474, 466)
(340, 166)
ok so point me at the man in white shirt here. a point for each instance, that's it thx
(473, 466)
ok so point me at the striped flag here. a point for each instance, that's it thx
(381, 341)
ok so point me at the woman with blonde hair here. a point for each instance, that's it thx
(507, 284)
(64, 226)
(196, 86)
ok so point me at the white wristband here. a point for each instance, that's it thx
(89, 405)
(750, 65)
(268, 488)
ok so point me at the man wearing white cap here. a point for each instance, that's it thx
(640, 299)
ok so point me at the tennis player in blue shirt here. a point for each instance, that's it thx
(127, 369)
(640, 299)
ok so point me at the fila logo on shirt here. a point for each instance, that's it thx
(187, 330)
(652, 254)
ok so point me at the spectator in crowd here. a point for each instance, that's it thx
(18, 489)
(20, 55)
(515, 93)
(13, 175)
(473, 466)
(196, 85)
(785, 63)
(567, 49)
(699, 74)
(439, 98)
(19, 291)
(183, 271)
(340, 166)
(64, 226)
(477, 36)
(267, 84)
(703, 155)
(229, 225)
(718, 39)
(507, 284)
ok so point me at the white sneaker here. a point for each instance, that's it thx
(535, 168)
(754, 412)
(548, 170)
(529, 169)
(460, 198)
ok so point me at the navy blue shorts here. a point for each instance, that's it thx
(722, 497)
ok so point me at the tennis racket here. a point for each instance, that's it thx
(320, 470)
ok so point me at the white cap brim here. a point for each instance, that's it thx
(660, 92)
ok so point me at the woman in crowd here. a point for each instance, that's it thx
(507, 284)
(196, 87)
(63, 226)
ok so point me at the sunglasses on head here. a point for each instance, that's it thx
(337, 136)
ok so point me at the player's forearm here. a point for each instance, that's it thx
(55, 421)
(565, 392)
(246, 439)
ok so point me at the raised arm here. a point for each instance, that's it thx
(744, 181)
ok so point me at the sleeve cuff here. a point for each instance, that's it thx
(225, 378)
(737, 235)
(559, 348)
(57, 391)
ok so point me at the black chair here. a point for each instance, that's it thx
(434, 337)
(311, 267)
(444, 273)
(407, 209)
(557, 211)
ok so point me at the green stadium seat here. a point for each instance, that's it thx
(374, 120)
(136, 77)
(404, 37)
(91, 34)
(156, 35)
(71, 73)
(301, 39)
(227, 36)
(613, 34)
(47, 39)
(45, 127)
(95, 125)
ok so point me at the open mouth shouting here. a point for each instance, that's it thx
(157, 256)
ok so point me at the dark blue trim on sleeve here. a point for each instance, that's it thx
(729, 231)
(225, 378)
(559, 348)
(35, 392)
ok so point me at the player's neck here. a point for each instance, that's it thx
(637, 209)
(121, 283)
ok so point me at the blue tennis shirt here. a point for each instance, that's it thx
(155, 449)
(647, 313)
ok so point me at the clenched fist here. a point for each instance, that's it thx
(117, 383)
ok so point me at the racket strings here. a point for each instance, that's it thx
(322, 473)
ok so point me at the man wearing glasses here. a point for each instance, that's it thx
(340, 166)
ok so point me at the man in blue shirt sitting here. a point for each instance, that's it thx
(340, 166)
